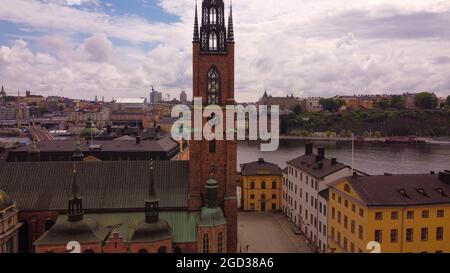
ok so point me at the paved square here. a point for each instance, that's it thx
(268, 233)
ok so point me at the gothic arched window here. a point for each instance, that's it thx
(212, 16)
(220, 242)
(213, 86)
(212, 41)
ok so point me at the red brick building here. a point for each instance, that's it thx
(213, 82)
(191, 205)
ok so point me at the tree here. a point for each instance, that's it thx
(448, 101)
(297, 109)
(397, 102)
(383, 104)
(426, 100)
(331, 105)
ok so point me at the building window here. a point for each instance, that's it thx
(274, 206)
(324, 210)
(345, 243)
(361, 212)
(212, 146)
(360, 232)
(394, 215)
(213, 41)
(213, 85)
(409, 234)
(339, 217)
(339, 199)
(347, 188)
(425, 213)
(205, 243)
(274, 196)
(252, 185)
(424, 234)
(353, 227)
(394, 235)
(353, 207)
(440, 213)
(333, 213)
(378, 215)
(162, 249)
(345, 221)
(252, 196)
(220, 242)
(439, 233)
(263, 185)
(274, 185)
(346, 203)
(378, 236)
(212, 16)
(333, 196)
(410, 214)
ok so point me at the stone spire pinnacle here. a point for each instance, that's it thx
(196, 35)
(230, 36)
(152, 201)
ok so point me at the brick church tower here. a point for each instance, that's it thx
(213, 81)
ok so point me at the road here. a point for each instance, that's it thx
(41, 134)
(268, 233)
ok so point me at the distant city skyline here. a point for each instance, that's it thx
(87, 48)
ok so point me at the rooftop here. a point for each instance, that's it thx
(402, 190)
(106, 185)
(310, 165)
(260, 167)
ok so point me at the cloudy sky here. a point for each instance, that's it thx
(117, 48)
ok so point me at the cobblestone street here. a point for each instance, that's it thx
(268, 233)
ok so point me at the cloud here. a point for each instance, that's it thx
(309, 48)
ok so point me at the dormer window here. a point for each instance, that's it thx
(402, 192)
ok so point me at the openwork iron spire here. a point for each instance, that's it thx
(152, 201)
(196, 33)
(75, 210)
(230, 36)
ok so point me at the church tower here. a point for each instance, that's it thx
(213, 81)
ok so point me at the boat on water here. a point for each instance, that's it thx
(405, 140)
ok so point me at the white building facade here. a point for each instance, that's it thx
(303, 179)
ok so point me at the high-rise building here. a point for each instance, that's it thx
(213, 60)
(155, 96)
(183, 97)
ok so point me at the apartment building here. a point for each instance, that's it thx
(305, 193)
(390, 214)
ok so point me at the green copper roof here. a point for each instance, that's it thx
(211, 217)
(183, 223)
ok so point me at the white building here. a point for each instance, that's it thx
(305, 202)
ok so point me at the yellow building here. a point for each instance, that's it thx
(390, 214)
(261, 186)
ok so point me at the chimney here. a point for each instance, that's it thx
(308, 148)
(320, 165)
(445, 176)
(261, 160)
(333, 161)
(321, 152)
(138, 140)
(318, 158)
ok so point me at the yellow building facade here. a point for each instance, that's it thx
(389, 214)
(261, 186)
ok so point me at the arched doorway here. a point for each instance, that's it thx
(24, 238)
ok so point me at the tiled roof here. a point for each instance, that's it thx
(162, 145)
(260, 167)
(308, 164)
(105, 185)
(387, 190)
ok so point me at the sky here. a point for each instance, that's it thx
(309, 48)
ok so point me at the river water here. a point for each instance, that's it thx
(371, 158)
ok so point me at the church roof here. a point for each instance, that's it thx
(84, 231)
(152, 232)
(107, 185)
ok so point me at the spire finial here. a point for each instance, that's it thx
(196, 35)
(75, 210)
(152, 202)
(230, 37)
